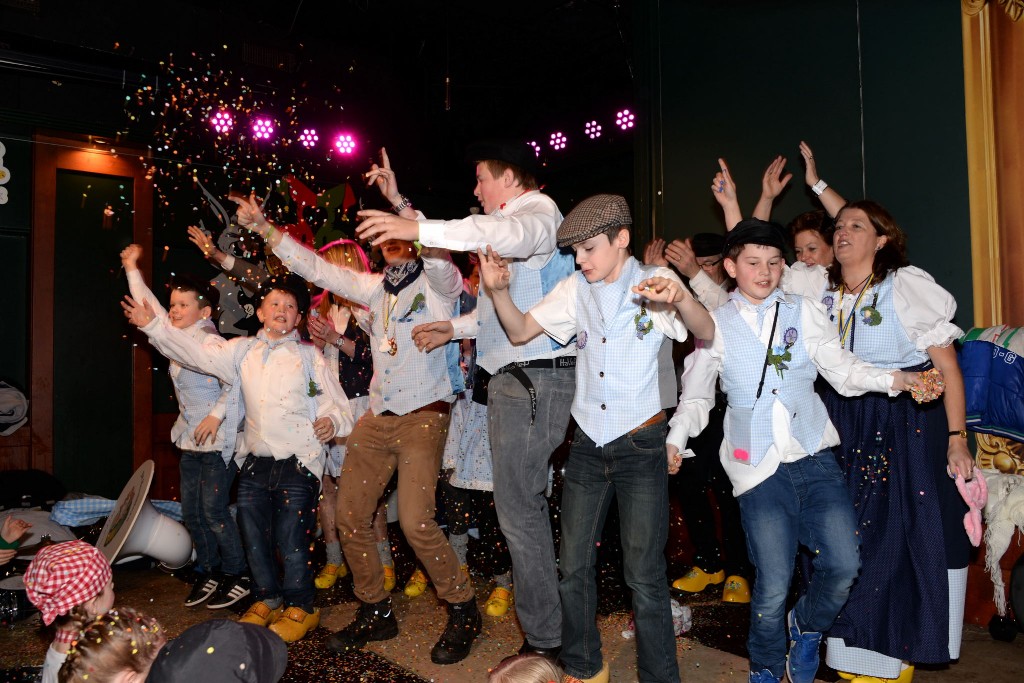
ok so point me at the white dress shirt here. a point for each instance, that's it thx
(844, 371)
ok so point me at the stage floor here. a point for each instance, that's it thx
(713, 650)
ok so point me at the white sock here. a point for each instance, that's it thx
(503, 581)
(957, 595)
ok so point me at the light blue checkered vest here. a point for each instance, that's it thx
(196, 393)
(527, 287)
(885, 345)
(748, 423)
(616, 366)
(235, 407)
(411, 378)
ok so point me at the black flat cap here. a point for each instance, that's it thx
(707, 244)
(515, 152)
(755, 231)
(221, 650)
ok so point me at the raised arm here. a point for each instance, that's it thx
(724, 191)
(773, 182)
(130, 256)
(387, 182)
(520, 327)
(668, 290)
(830, 199)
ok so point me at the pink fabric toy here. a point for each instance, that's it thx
(975, 493)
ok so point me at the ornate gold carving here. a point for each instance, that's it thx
(1000, 453)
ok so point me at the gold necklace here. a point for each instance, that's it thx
(388, 345)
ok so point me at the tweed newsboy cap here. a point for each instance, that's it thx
(592, 216)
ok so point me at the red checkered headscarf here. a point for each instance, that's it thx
(64, 575)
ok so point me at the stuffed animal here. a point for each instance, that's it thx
(975, 493)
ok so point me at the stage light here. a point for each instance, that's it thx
(558, 140)
(592, 129)
(309, 138)
(221, 122)
(624, 119)
(345, 144)
(535, 146)
(262, 128)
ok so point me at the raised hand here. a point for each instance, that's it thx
(723, 187)
(680, 254)
(130, 256)
(660, 289)
(138, 314)
(773, 181)
(250, 214)
(654, 253)
(430, 336)
(205, 243)
(322, 331)
(811, 168)
(385, 179)
(381, 226)
(494, 270)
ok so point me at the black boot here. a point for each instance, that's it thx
(462, 629)
(374, 621)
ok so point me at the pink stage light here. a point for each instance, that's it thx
(309, 138)
(558, 140)
(592, 129)
(221, 122)
(624, 119)
(345, 143)
(262, 128)
(535, 146)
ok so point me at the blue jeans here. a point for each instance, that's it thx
(205, 495)
(520, 453)
(803, 503)
(633, 470)
(277, 503)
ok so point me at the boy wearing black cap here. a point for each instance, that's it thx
(292, 405)
(777, 446)
(619, 312)
(528, 387)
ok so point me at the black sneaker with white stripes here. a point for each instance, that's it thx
(205, 585)
(231, 590)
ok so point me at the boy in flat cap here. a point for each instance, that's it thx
(767, 350)
(619, 311)
(527, 387)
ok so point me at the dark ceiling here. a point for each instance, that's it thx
(423, 78)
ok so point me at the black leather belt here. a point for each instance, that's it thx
(482, 378)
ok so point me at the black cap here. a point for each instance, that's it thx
(221, 650)
(755, 231)
(515, 152)
(288, 282)
(707, 244)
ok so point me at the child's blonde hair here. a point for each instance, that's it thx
(526, 668)
(347, 254)
(120, 640)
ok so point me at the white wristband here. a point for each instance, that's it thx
(819, 187)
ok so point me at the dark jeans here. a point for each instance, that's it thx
(277, 503)
(205, 495)
(633, 471)
(804, 503)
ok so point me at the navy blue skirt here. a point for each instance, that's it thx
(910, 517)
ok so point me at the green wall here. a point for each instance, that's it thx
(748, 80)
